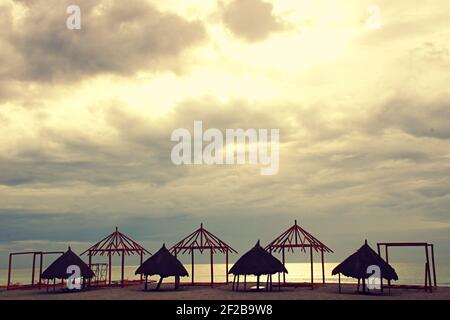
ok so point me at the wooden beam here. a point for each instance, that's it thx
(312, 267)
(192, 266)
(323, 267)
(123, 269)
(226, 266)
(212, 269)
(9, 271)
(339, 279)
(109, 268)
(428, 269)
(433, 264)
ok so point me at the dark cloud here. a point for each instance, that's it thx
(365, 179)
(140, 153)
(414, 116)
(116, 37)
(26, 225)
(252, 20)
(88, 161)
(432, 52)
(435, 191)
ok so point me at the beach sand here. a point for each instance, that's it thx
(224, 292)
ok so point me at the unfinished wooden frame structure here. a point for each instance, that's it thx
(201, 240)
(297, 237)
(35, 254)
(116, 243)
(428, 284)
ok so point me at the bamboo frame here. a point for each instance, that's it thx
(297, 237)
(201, 240)
(119, 243)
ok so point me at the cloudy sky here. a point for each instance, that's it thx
(86, 117)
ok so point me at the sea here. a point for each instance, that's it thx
(409, 273)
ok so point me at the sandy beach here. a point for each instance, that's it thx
(224, 292)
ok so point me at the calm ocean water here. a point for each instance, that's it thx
(409, 273)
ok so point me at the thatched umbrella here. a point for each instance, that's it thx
(358, 264)
(256, 262)
(164, 264)
(61, 268)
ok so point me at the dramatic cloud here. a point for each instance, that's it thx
(115, 37)
(416, 117)
(252, 20)
(86, 118)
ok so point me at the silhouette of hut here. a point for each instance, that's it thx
(164, 264)
(360, 264)
(256, 261)
(62, 268)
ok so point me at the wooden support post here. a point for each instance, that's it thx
(192, 266)
(123, 269)
(323, 267)
(41, 264)
(34, 267)
(90, 265)
(212, 269)
(245, 282)
(9, 271)
(226, 266)
(271, 284)
(312, 267)
(142, 260)
(381, 275)
(387, 261)
(279, 282)
(237, 284)
(434, 266)
(339, 279)
(159, 283)
(109, 269)
(146, 283)
(428, 268)
(234, 281)
(257, 282)
(284, 264)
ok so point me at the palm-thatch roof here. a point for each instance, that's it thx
(357, 264)
(162, 263)
(257, 261)
(58, 269)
